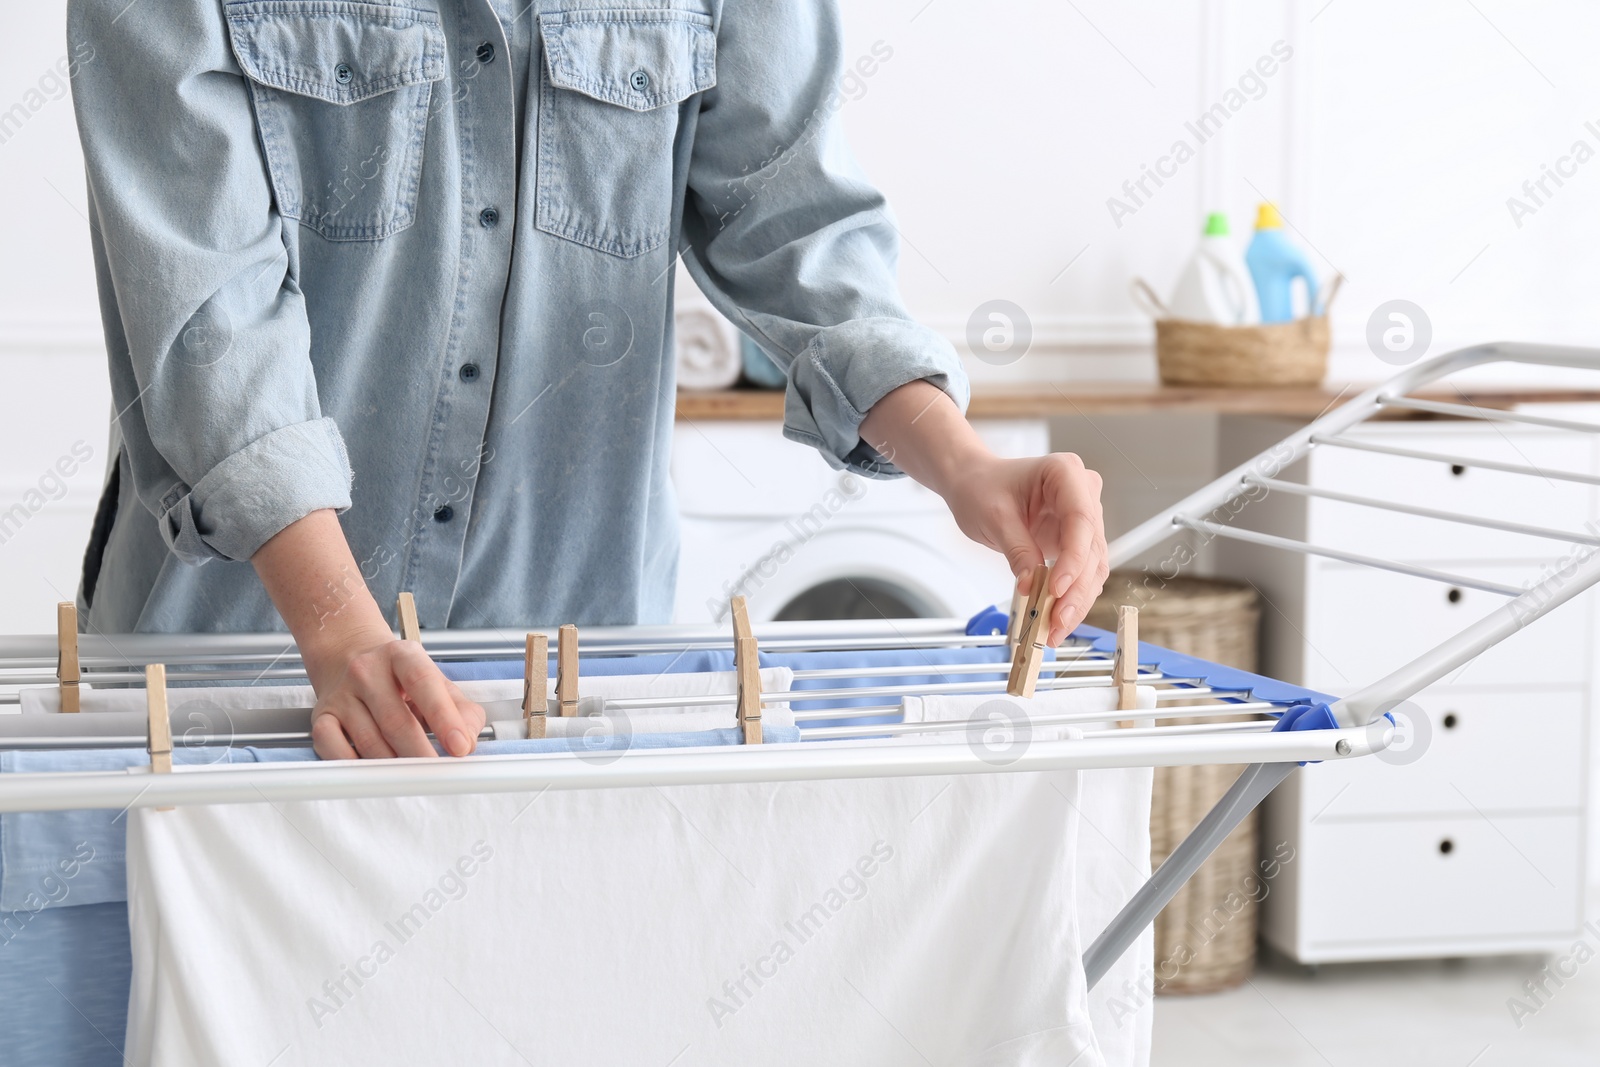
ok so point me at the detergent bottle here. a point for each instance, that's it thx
(1275, 262)
(1215, 287)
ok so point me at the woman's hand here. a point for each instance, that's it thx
(382, 699)
(376, 696)
(1030, 510)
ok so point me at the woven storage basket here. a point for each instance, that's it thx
(1205, 938)
(1204, 353)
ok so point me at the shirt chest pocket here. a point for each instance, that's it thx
(608, 121)
(341, 92)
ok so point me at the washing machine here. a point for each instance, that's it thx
(768, 518)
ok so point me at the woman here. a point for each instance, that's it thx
(387, 294)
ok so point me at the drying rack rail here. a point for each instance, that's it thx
(1322, 728)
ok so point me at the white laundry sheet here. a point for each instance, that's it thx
(227, 707)
(879, 921)
(1113, 858)
(875, 921)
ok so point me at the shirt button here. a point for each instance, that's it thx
(444, 514)
(639, 80)
(469, 372)
(486, 52)
(342, 74)
(489, 217)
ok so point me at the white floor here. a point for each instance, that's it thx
(1452, 1013)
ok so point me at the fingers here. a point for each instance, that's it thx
(472, 713)
(1072, 491)
(1013, 538)
(373, 710)
(1072, 609)
(328, 738)
(1074, 554)
(432, 697)
(1075, 579)
(386, 702)
(347, 731)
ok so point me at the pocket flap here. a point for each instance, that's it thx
(636, 59)
(337, 51)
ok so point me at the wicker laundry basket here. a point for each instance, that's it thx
(1204, 353)
(1205, 938)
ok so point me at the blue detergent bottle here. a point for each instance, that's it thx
(1274, 263)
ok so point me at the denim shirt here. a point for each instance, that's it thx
(327, 280)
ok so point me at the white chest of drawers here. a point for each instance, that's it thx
(1466, 840)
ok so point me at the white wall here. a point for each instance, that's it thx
(1392, 139)
(52, 370)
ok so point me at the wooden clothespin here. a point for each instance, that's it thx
(747, 673)
(67, 672)
(1032, 634)
(1018, 604)
(567, 670)
(1125, 664)
(409, 630)
(535, 682)
(159, 742)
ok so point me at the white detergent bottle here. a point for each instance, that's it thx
(1216, 286)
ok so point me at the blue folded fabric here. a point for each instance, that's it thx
(64, 977)
(54, 859)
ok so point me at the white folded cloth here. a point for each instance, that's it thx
(501, 700)
(47, 699)
(891, 921)
(707, 345)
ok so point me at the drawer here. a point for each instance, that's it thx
(1441, 880)
(1496, 752)
(1363, 623)
(1533, 501)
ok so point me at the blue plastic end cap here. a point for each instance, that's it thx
(1306, 717)
(991, 620)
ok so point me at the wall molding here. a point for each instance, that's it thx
(1131, 333)
(22, 335)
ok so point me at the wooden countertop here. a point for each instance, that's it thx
(1045, 399)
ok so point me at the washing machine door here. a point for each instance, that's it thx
(861, 572)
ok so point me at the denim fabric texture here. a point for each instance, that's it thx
(349, 259)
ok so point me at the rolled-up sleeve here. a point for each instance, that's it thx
(789, 239)
(207, 333)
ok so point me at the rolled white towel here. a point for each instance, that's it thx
(707, 354)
